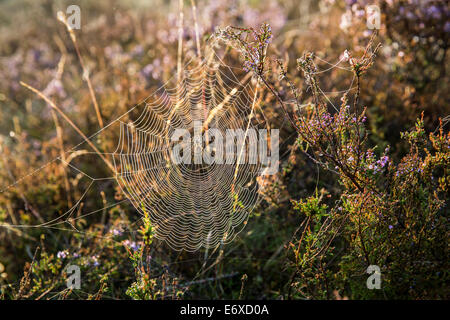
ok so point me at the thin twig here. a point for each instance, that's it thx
(197, 34)
(180, 39)
(62, 18)
(54, 106)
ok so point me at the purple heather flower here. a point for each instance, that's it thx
(146, 71)
(383, 161)
(117, 232)
(350, 2)
(138, 50)
(367, 33)
(447, 27)
(132, 245)
(95, 262)
(360, 13)
(55, 87)
(135, 246)
(434, 12)
(410, 15)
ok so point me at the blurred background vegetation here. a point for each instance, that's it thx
(290, 248)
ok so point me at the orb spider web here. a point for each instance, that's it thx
(191, 205)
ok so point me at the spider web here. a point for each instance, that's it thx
(209, 90)
(190, 206)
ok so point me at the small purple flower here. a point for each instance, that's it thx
(391, 227)
(95, 262)
(55, 87)
(147, 70)
(135, 246)
(434, 12)
(447, 27)
(117, 232)
(360, 13)
(383, 161)
(132, 245)
(62, 254)
(350, 2)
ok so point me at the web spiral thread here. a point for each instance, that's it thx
(190, 205)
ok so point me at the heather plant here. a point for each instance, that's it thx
(415, 37)
(379, 200)
(393, 223)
